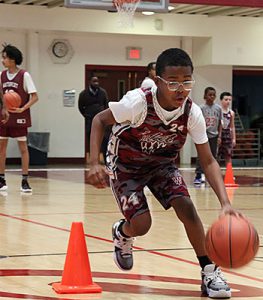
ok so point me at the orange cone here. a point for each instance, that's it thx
(76, 277)
(230, 193)
(229, 177)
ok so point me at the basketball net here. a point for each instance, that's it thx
(126, 10)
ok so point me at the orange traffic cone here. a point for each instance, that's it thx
(76, 277)
(229, 177)
(230, 193)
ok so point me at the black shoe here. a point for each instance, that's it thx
(25, 187)
(3, 186)
(123, 248)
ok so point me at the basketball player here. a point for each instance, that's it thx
(228, 135)
(212, 113)
(17, 80)
(150, 128)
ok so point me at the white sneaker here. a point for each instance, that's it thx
(203, 178)
(122, 253)
(214, 283)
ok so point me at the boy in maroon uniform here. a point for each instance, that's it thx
(16, 80)
(228, 135)
(150, 128)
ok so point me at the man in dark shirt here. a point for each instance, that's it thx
(93, 100)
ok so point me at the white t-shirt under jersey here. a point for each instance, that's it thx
(133, 106)
(29, 86)
(147, 83)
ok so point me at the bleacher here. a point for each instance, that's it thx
(247, 150)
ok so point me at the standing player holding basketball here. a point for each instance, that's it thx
(150, 128)
(19, 81)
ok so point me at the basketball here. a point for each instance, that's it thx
(232, 242)
(12, 100)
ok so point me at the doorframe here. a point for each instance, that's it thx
(89, 67)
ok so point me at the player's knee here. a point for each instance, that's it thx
(185, 209)
(141, 224)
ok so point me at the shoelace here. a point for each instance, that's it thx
(125, 245)
(219, 275)
(216, 275)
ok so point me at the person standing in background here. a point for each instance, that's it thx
(93, 100)
(148, 81)
(228, 135)
(14, 79)
(213, 114)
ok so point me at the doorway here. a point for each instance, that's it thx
(116, 80)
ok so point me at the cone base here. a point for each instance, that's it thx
(67, 289)
(231, 185)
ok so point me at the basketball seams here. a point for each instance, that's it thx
(256, 241)
(211, 248)
(230, 241)
(249, 240)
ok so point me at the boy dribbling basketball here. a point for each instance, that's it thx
(150, 128)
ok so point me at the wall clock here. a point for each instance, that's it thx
(60, 51)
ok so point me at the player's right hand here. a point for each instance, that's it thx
(5, 115)
(98, 176)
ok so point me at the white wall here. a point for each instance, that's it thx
(214, 43)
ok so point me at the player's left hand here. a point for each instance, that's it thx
(16, 110)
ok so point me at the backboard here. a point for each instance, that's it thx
(149, 5)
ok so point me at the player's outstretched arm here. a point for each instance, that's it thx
(97, 175)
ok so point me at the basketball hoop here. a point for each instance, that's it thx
(126, 10)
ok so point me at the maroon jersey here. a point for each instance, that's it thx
(138, 150)
(16, 84)
(226, 146)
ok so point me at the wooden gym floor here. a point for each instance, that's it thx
(34, 233)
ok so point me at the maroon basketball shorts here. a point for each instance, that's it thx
(14, 132)
(165, 182)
